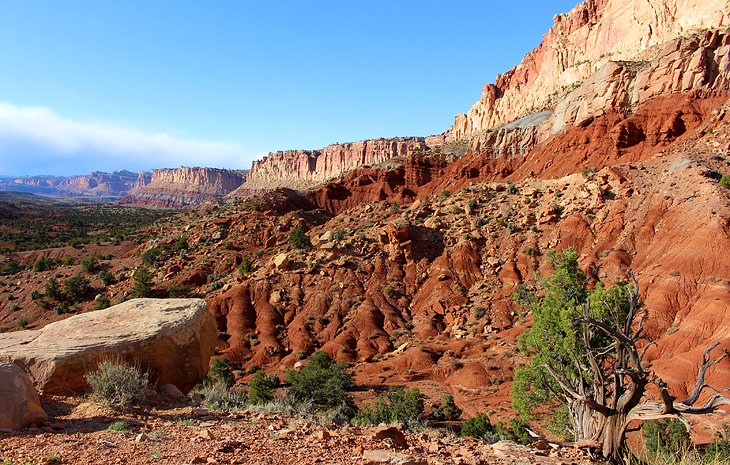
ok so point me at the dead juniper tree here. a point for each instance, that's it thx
(586, 349)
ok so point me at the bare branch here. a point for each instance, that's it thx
(569, 392)
(707, 363)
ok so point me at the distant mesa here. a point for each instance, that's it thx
(96, 185)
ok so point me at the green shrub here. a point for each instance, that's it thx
(177, 291)
(298, 239)
(151, 256)
(725, 181)
(665, 436)
(119, 427)
(142, 283)
(512, 188)
(395, 406)
(221, 371)
(560, 424)
(321, 381)
(117, 384)
(44, 264)
(107, 278)
(218, 396)
(719, 448)
(76, 288)
(90, 265)
(447, 410)
(444, 195)
(102, 303)
(515, 430)
(245, 266)
(480, 427)
(35, 295)
(181, 243)
(261, 386)
(53, 290)
(10, 267)
(588, 171)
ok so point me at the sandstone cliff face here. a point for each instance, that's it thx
(180, 187)
(96, 184)
(300, 169)
(595, 37)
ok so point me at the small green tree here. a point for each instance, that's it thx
(221, 371)
(90, 265)
(478, 426)
(725, 181)
(447, 410)
(76, 288)
(53, 290)
(245, 266)
(299, 239)
(261, 386)
(321, 381)
(584, 356)
(142, 283)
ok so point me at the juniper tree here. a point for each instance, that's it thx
(586, 351)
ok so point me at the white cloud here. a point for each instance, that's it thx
(35, 139)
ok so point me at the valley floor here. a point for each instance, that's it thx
(82, 433)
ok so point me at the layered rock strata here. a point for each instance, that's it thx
(93, 185)
(596, 34)
(182, 187)
(299, 169)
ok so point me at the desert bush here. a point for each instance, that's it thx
(480, 427)
(321, 381)
(177, 291)
(725, 181)
(447, 410)
(261, 386)
(221, 371)
(142, 283)
(395, 406)
(117, 384)
(102, 303)
(180, 244)
(218, 396)
(35, 295)
(665, 436)
(245, 266)
(107, 278)
(76, 288)
(53, 290)
(298, 239)
(719, 448)
(90, 265)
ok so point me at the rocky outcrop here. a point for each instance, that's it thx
(94, 185)
(299, 169)
(172, 338)
(20, 405)
(183, 187)
(607, 41)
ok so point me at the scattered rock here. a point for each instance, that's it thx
(20, 405)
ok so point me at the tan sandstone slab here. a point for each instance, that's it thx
(20, 405)
(172, 338)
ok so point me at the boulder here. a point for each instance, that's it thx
(20, 405)
(281, 261)
(172, 338)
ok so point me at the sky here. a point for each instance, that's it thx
(102, 86)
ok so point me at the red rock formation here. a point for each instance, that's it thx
(97, 184)
(299, 169)
(181, 187)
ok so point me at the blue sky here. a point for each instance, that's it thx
(101, 85)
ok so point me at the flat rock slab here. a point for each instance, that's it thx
(19, 402)
(172, 338)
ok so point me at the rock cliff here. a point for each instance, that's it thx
(95, 185)
(184, 186)
(606, 53)
(299, 169)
